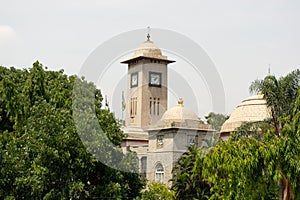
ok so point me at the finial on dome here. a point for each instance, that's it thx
(148, 35)
(180, 102)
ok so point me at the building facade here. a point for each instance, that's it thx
(157, 134)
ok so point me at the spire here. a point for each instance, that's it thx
(180, 102)
(148, 35)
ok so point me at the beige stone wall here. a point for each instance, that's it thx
(166, 159)
(168, 141)
(175, 144)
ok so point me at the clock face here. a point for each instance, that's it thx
(134, 80)
(155, 79)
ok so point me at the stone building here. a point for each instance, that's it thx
(178, 128)
(158, 135)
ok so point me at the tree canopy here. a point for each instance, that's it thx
(157, 191)
(42, 154)
(267, 164)
(280, 95)
(188, 182)
(261, 159)
(43, 157)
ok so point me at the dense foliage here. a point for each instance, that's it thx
(280, 95)
(157, 191)
(268, 164)
(253, 169)
(240, 170)
(261, 160)
(188, 182)
(42, 154)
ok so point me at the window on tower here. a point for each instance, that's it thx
(133, 106)
(154, 103)
(157, 106)
(150, 105)
(154, 106)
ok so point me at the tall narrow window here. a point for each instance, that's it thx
(133, 106)
(154, 104)
(150, 106)
(157, 106)
(159, 173)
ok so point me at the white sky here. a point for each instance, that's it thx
(241, 37)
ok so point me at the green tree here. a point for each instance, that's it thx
(157, 191)
(290, 153)
(42, 154)
(261, 156)
(188, 182)
(216, 120)
(280, 95)
(239, 170)
(256, 129)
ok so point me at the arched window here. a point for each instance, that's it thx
(159, 173)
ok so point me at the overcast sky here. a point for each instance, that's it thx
(241, 37)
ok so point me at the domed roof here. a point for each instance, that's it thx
(179, 116)
(148, 50)
(179, 113)
(251, 109)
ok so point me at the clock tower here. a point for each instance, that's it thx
(147, 96)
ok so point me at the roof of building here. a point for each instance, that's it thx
(180, 116)
(135, 133)
(179, 113)
(148, 50)
(251, 109)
